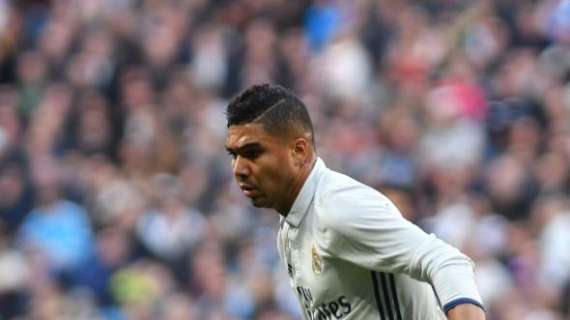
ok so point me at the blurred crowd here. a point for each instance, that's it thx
(116, 195)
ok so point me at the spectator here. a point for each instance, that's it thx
(117, 200)
(56, 227)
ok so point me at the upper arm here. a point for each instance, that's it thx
(365, 228)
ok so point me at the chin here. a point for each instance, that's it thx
(260, 203)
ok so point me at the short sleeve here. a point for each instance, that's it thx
(360, 225)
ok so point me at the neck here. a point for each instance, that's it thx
(296, 186)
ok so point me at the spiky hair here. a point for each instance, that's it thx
(277, 108)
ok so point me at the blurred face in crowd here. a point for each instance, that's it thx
(269, 168)
(11, 185)
(47, 181)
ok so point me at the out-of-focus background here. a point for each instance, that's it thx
(116, 196)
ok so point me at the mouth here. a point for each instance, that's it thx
(247, 190)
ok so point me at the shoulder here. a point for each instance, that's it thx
(342, 202)
(71, 208)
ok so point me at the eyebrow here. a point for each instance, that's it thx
(245, 147)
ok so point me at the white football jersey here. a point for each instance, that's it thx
(351, 255)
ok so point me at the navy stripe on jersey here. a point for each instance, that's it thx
(386, 294)
(395, 296)
(377, 294)
(436, 297)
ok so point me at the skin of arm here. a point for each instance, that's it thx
(466, 312)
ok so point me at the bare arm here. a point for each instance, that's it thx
(466, 312)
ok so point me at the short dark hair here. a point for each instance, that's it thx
(277, 108)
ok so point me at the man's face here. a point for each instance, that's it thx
(261, 163)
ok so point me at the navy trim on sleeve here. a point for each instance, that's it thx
(454, 303)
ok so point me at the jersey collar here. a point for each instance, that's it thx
(305, 197)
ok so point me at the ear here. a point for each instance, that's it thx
(300, 151)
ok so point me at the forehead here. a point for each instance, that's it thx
(239, 135)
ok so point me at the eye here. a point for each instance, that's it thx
(232, 154)
(251, 154)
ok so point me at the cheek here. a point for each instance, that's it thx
(271, 176)
(276, 174)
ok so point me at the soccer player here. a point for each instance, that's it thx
(349, 252)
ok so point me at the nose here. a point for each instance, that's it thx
(241, 168)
